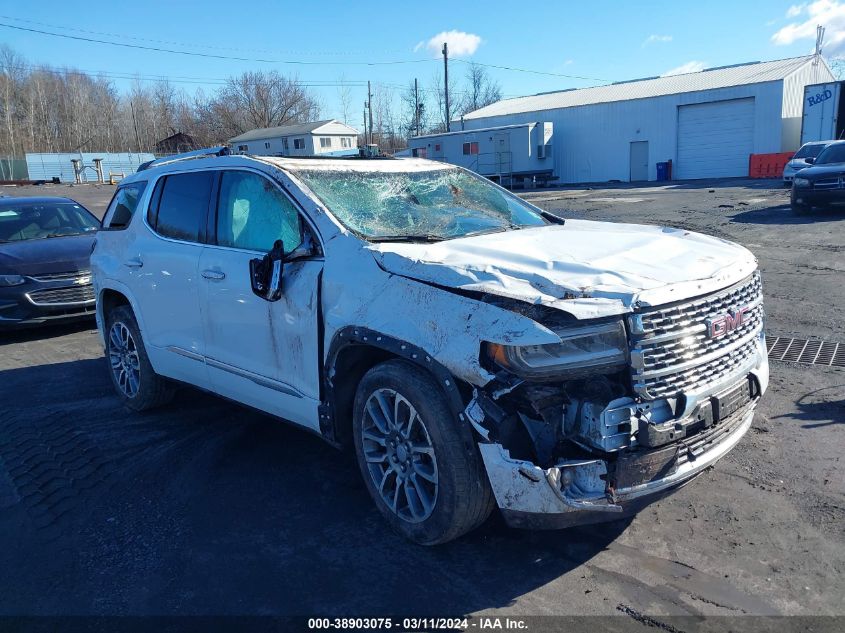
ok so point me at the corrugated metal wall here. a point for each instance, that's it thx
(592, 142)
(48, 166)
(793, 101)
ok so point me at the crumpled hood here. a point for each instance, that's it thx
(589, 269)
(43, 256)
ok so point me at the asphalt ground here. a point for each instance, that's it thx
(205, 507)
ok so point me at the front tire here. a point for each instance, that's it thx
(800, 209)
(419, 464)
(132, 375)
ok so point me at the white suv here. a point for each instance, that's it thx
(472, 349)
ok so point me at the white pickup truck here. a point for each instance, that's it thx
(472, 349)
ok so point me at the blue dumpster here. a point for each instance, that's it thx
(663, 171)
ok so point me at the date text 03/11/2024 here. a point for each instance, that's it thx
(417, 624)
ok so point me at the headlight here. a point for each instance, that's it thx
(801, 182)
(11, 280)
(591, 349)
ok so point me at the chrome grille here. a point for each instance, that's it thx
(73, 275)
(672, 352)
(828, 183)
(60, 296)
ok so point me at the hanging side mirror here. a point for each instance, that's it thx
(266, 273)
(810, 160)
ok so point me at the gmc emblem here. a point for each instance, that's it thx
(724, 323)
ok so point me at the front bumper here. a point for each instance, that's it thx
(817, 197)
(40, 301)
(575, 492)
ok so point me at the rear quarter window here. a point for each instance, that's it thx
(181, 204)
(123, 205)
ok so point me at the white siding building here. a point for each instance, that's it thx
(319, 138)
(707, 123)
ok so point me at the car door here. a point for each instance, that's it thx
(163, 263)
(262, 353)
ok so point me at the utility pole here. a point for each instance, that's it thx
(417, 106)
(446, 81)
(135, 125)
(365, 126)
(370, 105)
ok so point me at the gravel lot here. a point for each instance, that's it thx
(208, 508)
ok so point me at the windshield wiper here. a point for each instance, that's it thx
(489, 230)
(407, 238)
(49, 235)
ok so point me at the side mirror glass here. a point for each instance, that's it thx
(266, 273)
(810, 160)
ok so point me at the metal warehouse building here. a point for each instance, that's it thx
(707, 123)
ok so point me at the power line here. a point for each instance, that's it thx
(261, 60)
(211, 55)
(533, 72)
(212, 81)
(170, 42)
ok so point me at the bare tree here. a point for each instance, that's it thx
(437, 90)
(11, 71)
(262, 99)
(837, 66)
(481, 89)
(344, 96)
(46, 109)
(409, 107)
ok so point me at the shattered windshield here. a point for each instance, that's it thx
(433, 205)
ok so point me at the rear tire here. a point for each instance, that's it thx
(419, 464)
(132, 375)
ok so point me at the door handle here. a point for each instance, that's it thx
(135, 262)
(214, 274)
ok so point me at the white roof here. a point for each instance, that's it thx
(723, 77)
(294, 129)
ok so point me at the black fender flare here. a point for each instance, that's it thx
(350, 336)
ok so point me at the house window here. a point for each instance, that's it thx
(345, 141)
(299, 143)
(325, 142)
(470, 148)
(266, 145)
(285, 143)
(420, 152)
(437, 147)
(243, 148)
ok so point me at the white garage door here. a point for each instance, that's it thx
(715, 139)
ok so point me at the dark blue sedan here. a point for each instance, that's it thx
(45, 276)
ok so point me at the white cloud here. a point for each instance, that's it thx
(683, 69)
(461, 44)
(795, 10)
(652, 39)
(829, 13)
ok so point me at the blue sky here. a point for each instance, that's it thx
(604, 41)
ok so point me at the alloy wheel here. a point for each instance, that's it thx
(400, 456)
(123, 357)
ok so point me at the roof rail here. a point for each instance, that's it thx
(222, 150)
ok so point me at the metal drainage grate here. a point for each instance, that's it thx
(796, 350)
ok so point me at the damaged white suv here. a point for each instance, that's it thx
(471, 349)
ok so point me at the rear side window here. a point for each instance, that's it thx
(182, 205)
(123, 205)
